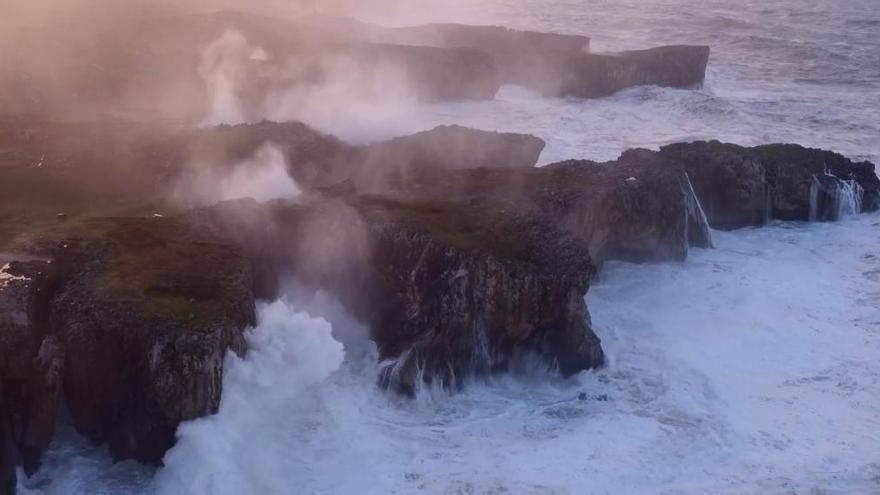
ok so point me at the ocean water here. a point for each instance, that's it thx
(750, 368)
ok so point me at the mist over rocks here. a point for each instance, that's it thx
(562, 65)
(639, 208)
(457, 253)
(234, 67)
(558, 65)
(448, 290)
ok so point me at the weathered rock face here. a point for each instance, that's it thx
(596, 75)
(635, 209)
(156, 60)
(523, 57)
(130, 163)
(448, 290)
(141, 318)
(469, 289)
(562, 65)
(788, 167)
(31, 360)
(7, 449)
(639, 208)
(385, 164)
(742, 186)
(456, 147)
(731, 184)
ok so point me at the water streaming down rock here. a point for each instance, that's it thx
(814, 199)
(697, 228)
(833, 199)
(847, 200)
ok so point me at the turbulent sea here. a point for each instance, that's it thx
(750, 368)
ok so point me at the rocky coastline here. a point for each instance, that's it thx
(119, 300)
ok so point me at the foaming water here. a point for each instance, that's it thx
(750, 368)
(780, 71)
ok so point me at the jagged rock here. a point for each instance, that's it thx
(654, 217)
(593, 75)
(742, 186)
(142, 163)
(562, 65)
(731, 184)
(7, 449)
(31, 360)
(135, 365)
(455, 147)
(149, 64)
(446, 289)
(469, 288)
(523, 57)
(790, 167)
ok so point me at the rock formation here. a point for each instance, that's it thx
(638, 208)
(562, 65)
(448, 290)
(450, 245)
(158, 66)
(31, 359)
(743, 186)
(7, 449)
(133, 317)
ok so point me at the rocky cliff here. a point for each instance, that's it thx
(447, 290)
(562, 65)
(463, 258)
(133, 319)
(748, 186)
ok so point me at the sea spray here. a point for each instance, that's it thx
(242, 448)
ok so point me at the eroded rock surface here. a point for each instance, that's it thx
(448, 290)
(562, 65)
(132, 318)
(31, 359)
(743, 186)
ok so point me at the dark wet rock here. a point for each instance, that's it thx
(562, 65)
(145, 163)
(447, 289)
(523, 57)
(639, 208)
(742, 186)
(31, 360)
(469, 288)
(7, 448)
(456, 147)
(318, 161)
(731, 184)
(149, 65)
(134, 364)
(788, 167)
(597, 75)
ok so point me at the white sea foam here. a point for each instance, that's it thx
(251, 445)
(750, 368)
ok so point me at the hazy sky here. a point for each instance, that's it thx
(42, 11)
